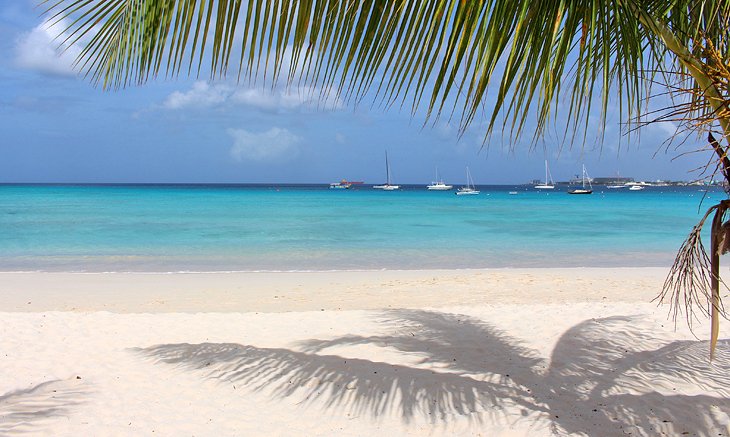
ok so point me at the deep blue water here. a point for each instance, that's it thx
(249, 228)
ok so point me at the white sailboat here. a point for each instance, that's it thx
(549, 183)
(387, 186)
(583, 190)
(469, 189)
(439, 184)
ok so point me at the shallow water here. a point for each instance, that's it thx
(165, 228)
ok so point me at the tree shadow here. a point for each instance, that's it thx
(30, 410)
(607, 375)
(627, 379)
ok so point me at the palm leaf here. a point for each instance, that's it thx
(399, 51)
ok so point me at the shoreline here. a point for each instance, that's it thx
(415, 262)
(345, 270)
(273, 292)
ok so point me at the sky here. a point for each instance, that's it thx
(58, 128)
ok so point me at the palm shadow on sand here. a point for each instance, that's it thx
(596, 378)
(35, 409)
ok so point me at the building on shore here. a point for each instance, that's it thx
(612, 181)
(577, 180)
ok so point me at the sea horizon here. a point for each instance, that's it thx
(360, 184)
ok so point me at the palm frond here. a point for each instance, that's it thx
(688, 285)
(519, 56)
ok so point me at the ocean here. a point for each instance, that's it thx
(214, 228)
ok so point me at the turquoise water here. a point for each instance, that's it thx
(254, 228)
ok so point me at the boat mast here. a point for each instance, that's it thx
(387, 169)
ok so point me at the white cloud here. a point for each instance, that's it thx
(201, 94)
(278, 98)
(263, 146)
(39, 50)
(289, 98)
(340, 138)
(269, 100)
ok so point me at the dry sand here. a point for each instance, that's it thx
(474, 352)
(283, 292)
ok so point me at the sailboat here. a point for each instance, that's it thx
(469, 189)
(548, 178)
(387, 186)
(439, 185)
(583, 190)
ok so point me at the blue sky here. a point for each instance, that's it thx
(56, 127)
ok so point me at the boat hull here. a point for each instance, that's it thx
(580, 192)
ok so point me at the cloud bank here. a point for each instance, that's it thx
(200, 95)
(205, 95)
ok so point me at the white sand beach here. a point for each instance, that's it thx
(475, 352)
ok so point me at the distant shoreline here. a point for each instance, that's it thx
(324, 184)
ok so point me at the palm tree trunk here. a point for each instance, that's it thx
(716, 236)
(715, 277)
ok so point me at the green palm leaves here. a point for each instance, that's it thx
(454, 56)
